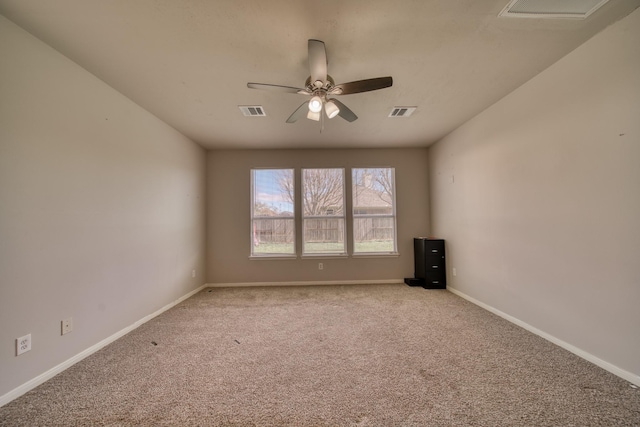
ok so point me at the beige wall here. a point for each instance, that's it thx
(541, 218)
(102, 212)
(102, 206)
(228, 215)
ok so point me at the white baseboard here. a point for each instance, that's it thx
(33, 383)
(306, 283)
(626, 375)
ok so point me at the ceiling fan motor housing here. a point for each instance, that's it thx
(325, 86)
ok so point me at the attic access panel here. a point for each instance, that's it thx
(545, 9)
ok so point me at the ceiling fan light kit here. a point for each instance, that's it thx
(331, 109)
(315, 105)
(319, 85)
(313, 115)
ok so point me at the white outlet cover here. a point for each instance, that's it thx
(67, 325)
(23, 344)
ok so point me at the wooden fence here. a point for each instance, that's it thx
(372, 229)
(322, 230)
(277, 230)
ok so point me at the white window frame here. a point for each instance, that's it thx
(342, 217)
(393, 216)
(293, 218)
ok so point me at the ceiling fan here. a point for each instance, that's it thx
(320, 86)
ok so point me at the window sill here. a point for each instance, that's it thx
(324, 256)
(272, 257)
(376, 255)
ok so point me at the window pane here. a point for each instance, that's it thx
(323, 211)
(323, 192)
(273, 192)
(374, 222)
(324, 235)
(273, 236)
(373, 191)
(373, 234)
(272, 212)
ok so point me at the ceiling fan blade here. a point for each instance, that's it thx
(299, 113)
(278, 88)
(345, 112)
(361, 86)
(317, 61)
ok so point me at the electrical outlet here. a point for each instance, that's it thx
(67, 325)
(23, 344)
(193, 273)
(320, 266)
(455, 273)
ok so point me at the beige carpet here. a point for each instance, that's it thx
(379, 355)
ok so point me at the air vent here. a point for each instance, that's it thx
(545, 9)
(252, 110)
(402, 111)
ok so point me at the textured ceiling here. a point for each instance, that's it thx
(189, 61)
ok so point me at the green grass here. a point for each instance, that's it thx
(274, 248)
(374, 246)
(322, 248)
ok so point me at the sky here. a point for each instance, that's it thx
(267, 189)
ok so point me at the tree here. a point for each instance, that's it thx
(378, 180)
(384, 179)
(286, 185)
(263, 209)
(322, 190)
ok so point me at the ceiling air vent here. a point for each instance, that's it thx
(252, 110)
(545, 9)
(402, 111)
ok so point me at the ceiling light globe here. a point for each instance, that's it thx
(315, 105)
(331, 109)
(313, 115)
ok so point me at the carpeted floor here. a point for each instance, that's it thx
(379, 355)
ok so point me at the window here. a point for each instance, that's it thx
(320, 194)
(374, 210)
(323, 219)
(272, 212)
